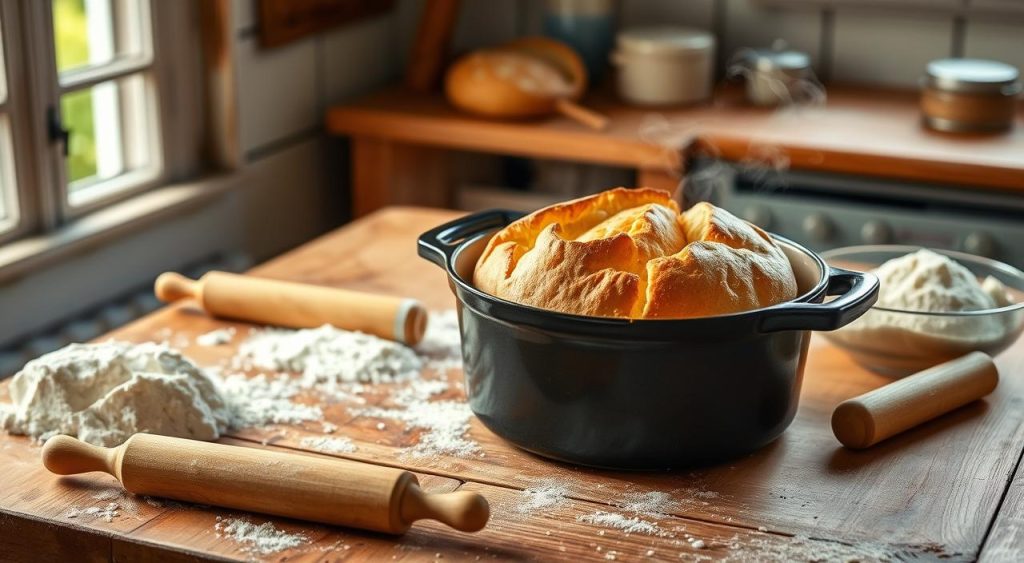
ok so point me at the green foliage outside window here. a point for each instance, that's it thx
(72, 46)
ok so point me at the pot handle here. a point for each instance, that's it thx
(439, 244)
(857, 292)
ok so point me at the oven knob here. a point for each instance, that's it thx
(758, 215)
(980, 244)
(818, 227)
(876, 232)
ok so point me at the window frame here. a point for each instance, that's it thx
(49, 92)
(173, 89)
(17, 110)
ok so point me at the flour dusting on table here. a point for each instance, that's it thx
(107, 512)
(548, 494)
(329, 356)
(339, 445)
(261, 400)
(628, 524)
(264, 538)
(442, 343)
(443, 423)
(216, 337)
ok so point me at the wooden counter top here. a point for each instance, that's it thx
(858, 131)
(940, 491)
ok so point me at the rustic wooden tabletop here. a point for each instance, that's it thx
(944, 490)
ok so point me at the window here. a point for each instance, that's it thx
(85, 96)
(103, 55)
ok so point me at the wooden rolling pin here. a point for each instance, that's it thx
(333, 491)
(864, 421)
(297, 305)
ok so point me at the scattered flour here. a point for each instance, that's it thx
(542, 497)
(216, 337)
(442, 343)
(628, 524)
(107, 513)
(802, 548)
(263, 399)
(444, 423)
(263, 539)
(339, 445)
(655, 504)
(103, 393)
(330, 356)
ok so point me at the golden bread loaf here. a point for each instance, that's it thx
(630, 253)
(524, 78)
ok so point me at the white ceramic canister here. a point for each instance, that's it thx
(664, 65)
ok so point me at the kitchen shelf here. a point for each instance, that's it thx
(400, 139)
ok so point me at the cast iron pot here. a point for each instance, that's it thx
(641, 394)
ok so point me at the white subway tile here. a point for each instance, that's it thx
(277, 91)
(1002, 41)
(285, 200)
(485, 23)
(888, 48)
(357, 58)
(689, 13)
(244, 13)
(407, 18)
(749, 24)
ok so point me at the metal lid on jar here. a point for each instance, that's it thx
(665, 40)
(977, 76)
(790, 62)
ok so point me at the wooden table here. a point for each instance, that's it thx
(401, 142)
(944, 490)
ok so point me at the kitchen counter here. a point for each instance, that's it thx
(944, 490)
(399, 141)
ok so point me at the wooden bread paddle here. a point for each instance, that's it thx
(333, 491)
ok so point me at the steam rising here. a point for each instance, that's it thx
(764, 163)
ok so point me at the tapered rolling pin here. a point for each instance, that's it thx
(864, 421)
(297, 305)
(333, 491)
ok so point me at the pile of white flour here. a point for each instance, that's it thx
(929, 282)
(103, 393)
(329, 356)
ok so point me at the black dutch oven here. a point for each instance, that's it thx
(637, 394)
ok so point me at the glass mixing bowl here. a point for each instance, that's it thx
(897, 342)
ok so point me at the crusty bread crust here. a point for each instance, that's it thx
(630, 253)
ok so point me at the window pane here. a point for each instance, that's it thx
(95, 32)
(8, 192)
(3, 69)
(112, 132)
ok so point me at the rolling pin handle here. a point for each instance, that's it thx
(171, 286)
(65, 455)
(463, 510)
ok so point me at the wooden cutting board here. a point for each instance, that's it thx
(940, 491)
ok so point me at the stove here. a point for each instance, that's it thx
(824, 211)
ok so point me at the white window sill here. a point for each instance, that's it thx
(24, 255)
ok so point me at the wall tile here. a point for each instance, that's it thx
(357, 59)
(407, 22)
(283, 199)
(690, 13)
(483, 23)
(889, 49)
(244, 13)
(749, 24)
(277, 91)
(988, 39)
